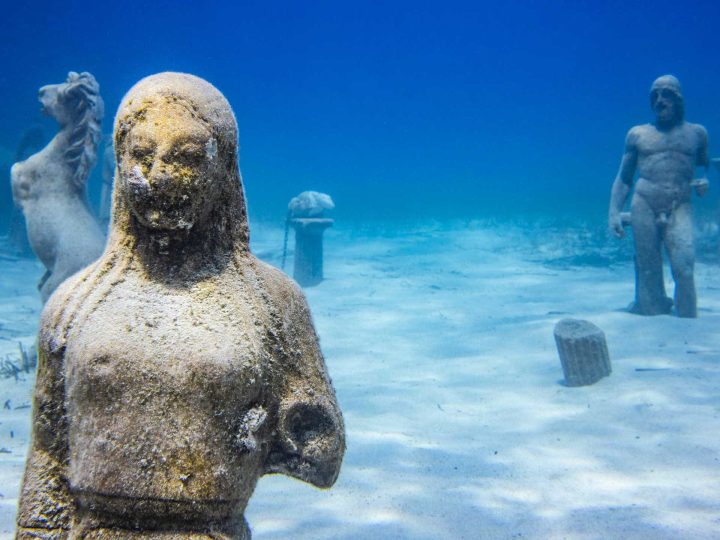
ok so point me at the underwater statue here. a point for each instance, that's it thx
(32, 140)
(665, 155)
(177, 369)
(310, 204)
(50, 186)
(306, 214)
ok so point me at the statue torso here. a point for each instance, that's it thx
(57, 216)
(159, 384)
(666, 160)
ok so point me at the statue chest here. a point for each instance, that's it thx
(158, 390)
(176, 341)
(681, 142)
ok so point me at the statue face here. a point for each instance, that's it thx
(50, 97)
(167, 162)
(665, 105)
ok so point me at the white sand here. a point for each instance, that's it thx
(439, 341)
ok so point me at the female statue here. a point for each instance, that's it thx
(178, 368)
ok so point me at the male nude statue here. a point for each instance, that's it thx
(665, 155)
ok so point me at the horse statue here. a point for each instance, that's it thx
(50, 186)
(32, 140)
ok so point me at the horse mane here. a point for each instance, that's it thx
(82, 93)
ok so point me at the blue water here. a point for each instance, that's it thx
(465, 115)
(397, 109)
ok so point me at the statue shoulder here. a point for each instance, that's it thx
(636, 133)
(699, 131)
(57, 315)
(283, 292)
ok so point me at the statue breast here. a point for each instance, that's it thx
(160, 384)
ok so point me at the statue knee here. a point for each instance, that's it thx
(683, 268)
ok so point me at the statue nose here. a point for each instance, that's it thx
(159, 176)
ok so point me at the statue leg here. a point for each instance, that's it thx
(48, 284)
(650, 297)
(43, 280)
(681, 249)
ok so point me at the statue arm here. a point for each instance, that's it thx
(703, 160)
(46, 509)
(310, 433)
(622, 184)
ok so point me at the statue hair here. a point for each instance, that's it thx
(82, 92)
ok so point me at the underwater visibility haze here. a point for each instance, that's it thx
(395, 108)
(436, 177)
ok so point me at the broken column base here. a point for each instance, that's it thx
(583, 352)
(308, 269)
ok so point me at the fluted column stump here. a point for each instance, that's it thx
(308, 269)
(583, 352)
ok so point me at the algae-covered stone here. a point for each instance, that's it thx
(583, 352)
(178, 368)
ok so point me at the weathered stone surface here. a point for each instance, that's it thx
(50, 186)
(665, 155)
(31, 141)
(310, 204)
(308, 269)
(178, 368)
(583, 352)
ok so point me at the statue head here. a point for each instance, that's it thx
(77, 97)
(176, 153)
(77, 105)
(666, 101)
(310, 204)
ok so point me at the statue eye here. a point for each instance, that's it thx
(189, 154)
(141, 152)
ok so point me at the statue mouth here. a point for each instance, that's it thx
(664, 112)
(147, 205)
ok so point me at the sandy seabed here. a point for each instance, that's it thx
(439, 342)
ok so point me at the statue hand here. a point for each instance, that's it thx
(616, 226)
(701, 186)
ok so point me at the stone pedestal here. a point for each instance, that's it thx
(308, 269)
(583, 352)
